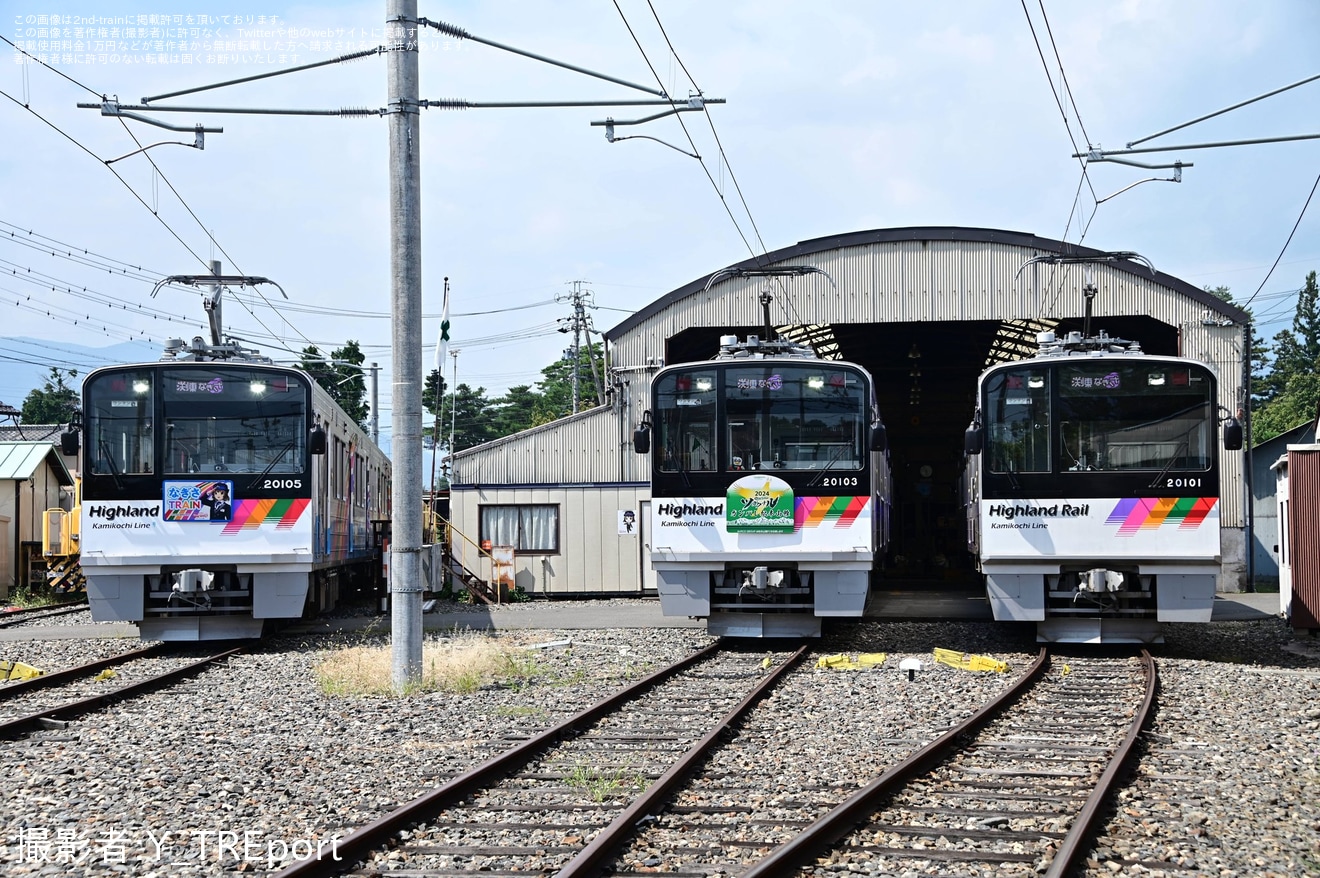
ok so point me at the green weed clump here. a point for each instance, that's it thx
(602, 784)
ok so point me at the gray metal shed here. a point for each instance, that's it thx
(32, 475)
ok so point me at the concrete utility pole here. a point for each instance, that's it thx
(406, 311)
(375, 408)
(580, 323)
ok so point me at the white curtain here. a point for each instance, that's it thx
(526, 528)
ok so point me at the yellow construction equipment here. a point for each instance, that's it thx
(60, 535)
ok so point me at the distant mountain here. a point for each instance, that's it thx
(25, 363)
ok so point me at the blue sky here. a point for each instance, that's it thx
(839, 117)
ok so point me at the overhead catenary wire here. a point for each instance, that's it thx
(1284, 249)
(691, 142)
(758, 257)
(54, 70)
(1044, 305)
(80, 255)
(59, 285)
(126, 184)
(160, 174)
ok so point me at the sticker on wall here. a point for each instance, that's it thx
(627, 523)
(759, 504)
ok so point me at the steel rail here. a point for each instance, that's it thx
(56, 677)
(356, 846)
(1077, 842)
(803, 848)
(76, 709)
(607, 843)
(9, 618)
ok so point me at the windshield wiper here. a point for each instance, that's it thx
(1168, 466)
(270, 466)
(838, 452)
(110, 462)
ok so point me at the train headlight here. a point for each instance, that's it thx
(257, 386)
(140, 386)
(1155, 379)
(815, 382)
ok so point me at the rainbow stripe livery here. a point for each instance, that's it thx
(250, 514)
(815, 511)
(1133, 514)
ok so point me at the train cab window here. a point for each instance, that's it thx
(1135, 418)
(1017, 414)
(743, 442)
(233, 420)
(807, 417)
(121, 422)
(686, 408)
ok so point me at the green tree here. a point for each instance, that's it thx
(341, 376)
(472, 422)
(556, 383)
(436, 403)
(1293, 387)
(1298, 404)
(518, 410)
(55, 403)
(433, 394)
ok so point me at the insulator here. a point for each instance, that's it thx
(448, 29)
(447, 104)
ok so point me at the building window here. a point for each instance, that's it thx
(530, 528)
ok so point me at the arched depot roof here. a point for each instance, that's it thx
(1019, 242)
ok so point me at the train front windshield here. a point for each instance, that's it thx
(1099, 416)
(779, 416)
(178, 421)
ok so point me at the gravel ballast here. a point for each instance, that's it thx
(242, 769)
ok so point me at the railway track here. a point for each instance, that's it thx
(51, 700)
(26, 615)
(1015, 790)
(533, 808)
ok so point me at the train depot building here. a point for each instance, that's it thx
(925, 310)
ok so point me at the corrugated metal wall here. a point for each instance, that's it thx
(1304, 534)
(586, 447)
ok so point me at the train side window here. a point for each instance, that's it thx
(1018, 417)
